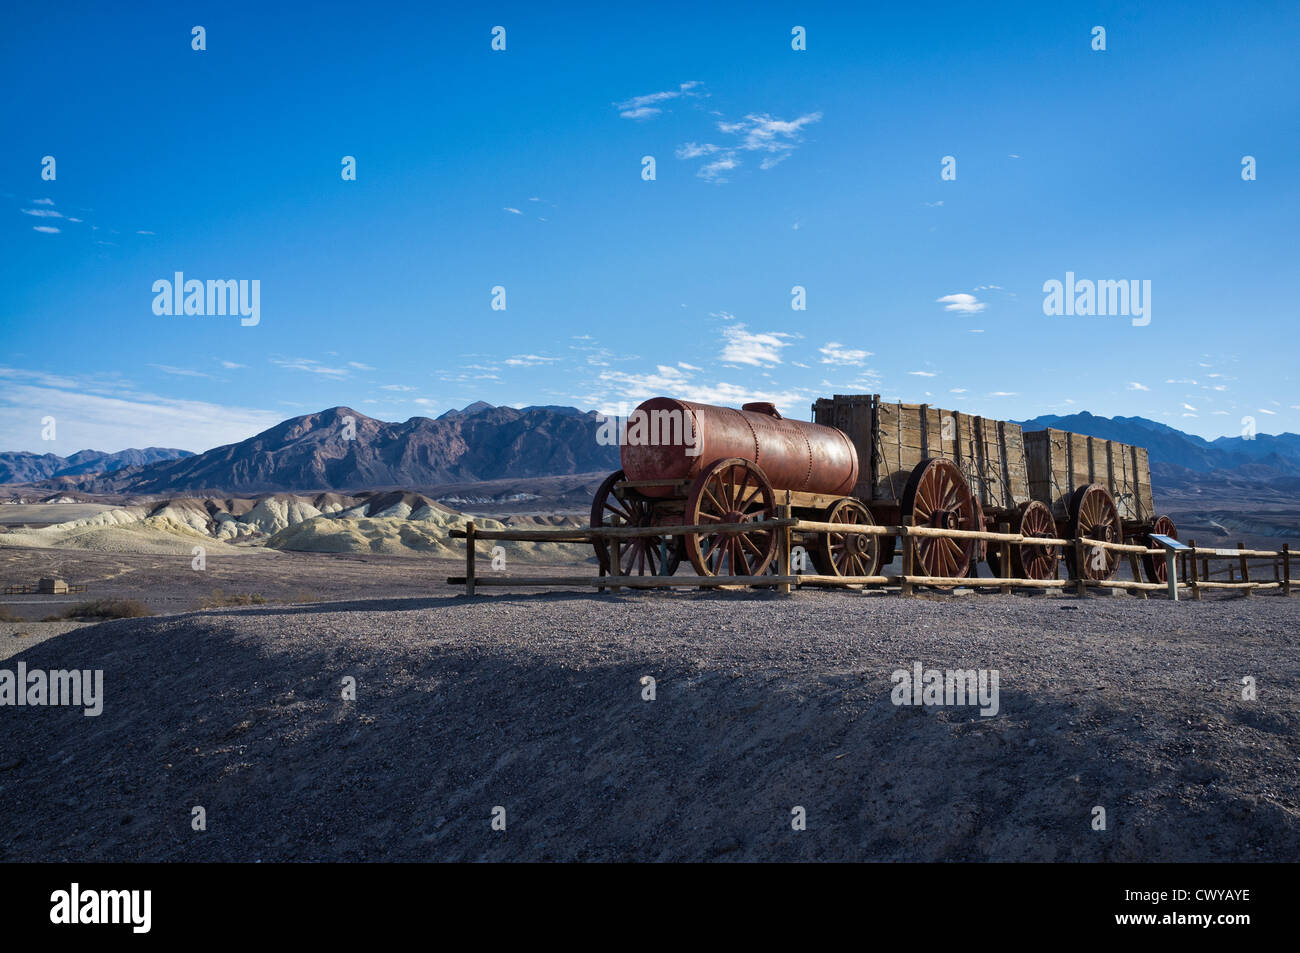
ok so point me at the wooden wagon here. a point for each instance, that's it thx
(915, 464)
(1097, 489)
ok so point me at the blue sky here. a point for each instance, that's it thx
(522, 169)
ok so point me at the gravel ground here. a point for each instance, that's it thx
(16, 637)
(763, 703)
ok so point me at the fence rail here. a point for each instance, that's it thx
(1195, 578)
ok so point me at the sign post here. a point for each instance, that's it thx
(1172, 548)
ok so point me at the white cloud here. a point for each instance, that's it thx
(693, 150)
(90, 420)
(923, 373)
(42, 201)
(1188, 407)
(1003, 393)
(359, 366)
(714, 170)
(647, 106)
(231, 365)
(1265, 410)
(957, 390)
(42, 212)
(1134, 385)
(513, 211)
(836, 353)
(634, 388)
(961, 302)
(310, 366)
(758, 350)
(47, 229)
(757, 132)
(396, 387)
(529, 360)
(761, 132)
(179, 371)
(143, 232)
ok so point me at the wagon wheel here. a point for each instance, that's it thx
(847, 554)
(640, 556)
(1029, 561)
(732, 490)
(937, 496)
(1093, 515)
(1155, 567)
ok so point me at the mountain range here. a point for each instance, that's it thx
(1168, 445)
(341, 449)
(23, 467)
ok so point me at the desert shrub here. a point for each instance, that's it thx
(104, 609)
(218, 599)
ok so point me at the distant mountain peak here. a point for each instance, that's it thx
(478, 407)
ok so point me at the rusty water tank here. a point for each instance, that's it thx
(794, 454)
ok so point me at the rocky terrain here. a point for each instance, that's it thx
(763, 704)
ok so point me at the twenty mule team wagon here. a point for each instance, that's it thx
(867, 461)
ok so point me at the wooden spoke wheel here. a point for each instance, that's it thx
(1030, 561)
(732, 490)
(1155, 567)
(1094, 516)
(936, 495)
(640, 556)
(846, 554)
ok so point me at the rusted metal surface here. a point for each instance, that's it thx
(793, 454)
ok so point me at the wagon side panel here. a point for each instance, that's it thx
(855, 415)
(1142, 479)
(1047, 458)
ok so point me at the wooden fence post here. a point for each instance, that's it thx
(1136, 570)
(1286, 569)
(469, 558)
(908, 560)
(783, 549)
(1004, 561)
(1080, 564)
(1245, 571)
(616, 560)
(1193, 581)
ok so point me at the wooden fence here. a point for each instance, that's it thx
(784, 580)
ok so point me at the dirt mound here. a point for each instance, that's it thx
(762, 705)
